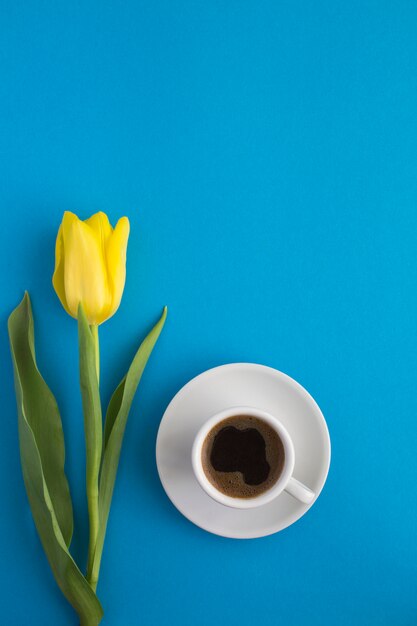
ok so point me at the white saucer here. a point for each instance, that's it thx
(241, 384)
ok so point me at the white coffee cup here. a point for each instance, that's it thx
(286, 481)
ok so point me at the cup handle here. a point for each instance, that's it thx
(299, 491)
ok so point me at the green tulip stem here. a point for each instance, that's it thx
(94, 332)
(93, 426)
(92, 490)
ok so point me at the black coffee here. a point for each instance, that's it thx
(242, 456)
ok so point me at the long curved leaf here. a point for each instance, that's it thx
(42, 463)
(42, 413)
(115, 424)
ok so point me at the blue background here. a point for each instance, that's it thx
(265, 153)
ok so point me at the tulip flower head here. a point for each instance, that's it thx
(90, 265)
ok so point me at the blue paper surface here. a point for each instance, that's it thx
(265, 153)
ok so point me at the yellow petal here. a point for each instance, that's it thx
(58, 277)
(100, 224)
(85, 275)
(116, 261)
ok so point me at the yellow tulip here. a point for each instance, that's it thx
(90, 265)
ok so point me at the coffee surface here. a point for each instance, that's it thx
(242, 456)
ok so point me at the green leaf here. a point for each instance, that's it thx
(42, 413)
(116, 418)
(93, 426)
(42, 457)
